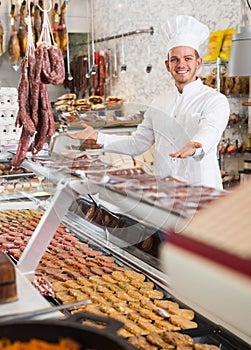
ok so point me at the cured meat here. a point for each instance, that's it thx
(31, 13)
(43, 123)
(41, 66)
(14, 48)
(55, 23)
(35, 79)
(24, 112)
(1, 38)
(37, 24)
(62, 30)
(45, 126)
(101, 75)
(53, 71)
(22, 149)
(95, 77)
(80, 72)
(13, 44)
(22, 32)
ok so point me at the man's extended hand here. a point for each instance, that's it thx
(187, 151)
(88, 133)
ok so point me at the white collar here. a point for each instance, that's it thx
(189, 88)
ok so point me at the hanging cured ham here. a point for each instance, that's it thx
(22, 32)
(62, 32)
(13, 44)
(37, 23)
(55, 24)
(1, 38)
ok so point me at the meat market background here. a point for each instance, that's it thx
(113, 17)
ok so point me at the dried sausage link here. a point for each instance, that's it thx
(35, 82)
(22, 149)
(24, 111)
(55, 72)
(43, 121)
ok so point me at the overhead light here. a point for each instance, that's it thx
(240, 54)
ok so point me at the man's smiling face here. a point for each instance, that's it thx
(183, 63)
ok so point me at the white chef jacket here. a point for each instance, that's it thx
(199, 114)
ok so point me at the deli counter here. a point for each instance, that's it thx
(94, 231)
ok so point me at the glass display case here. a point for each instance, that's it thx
(93, 227)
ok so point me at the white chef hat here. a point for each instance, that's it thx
(185, 30)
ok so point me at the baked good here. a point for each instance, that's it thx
(175, 338)
(65, 108)
(98, 106)
(113, 99)
(156, 339)
(64, 102)
(83, 104)
(81, 101)
(182, 322)
(205, 347)
(96, 100)
(139, 342)
(67, 97)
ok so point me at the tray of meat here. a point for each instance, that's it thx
(79, 270)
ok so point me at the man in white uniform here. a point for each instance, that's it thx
(186, 124)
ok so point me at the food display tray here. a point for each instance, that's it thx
(206, 332)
